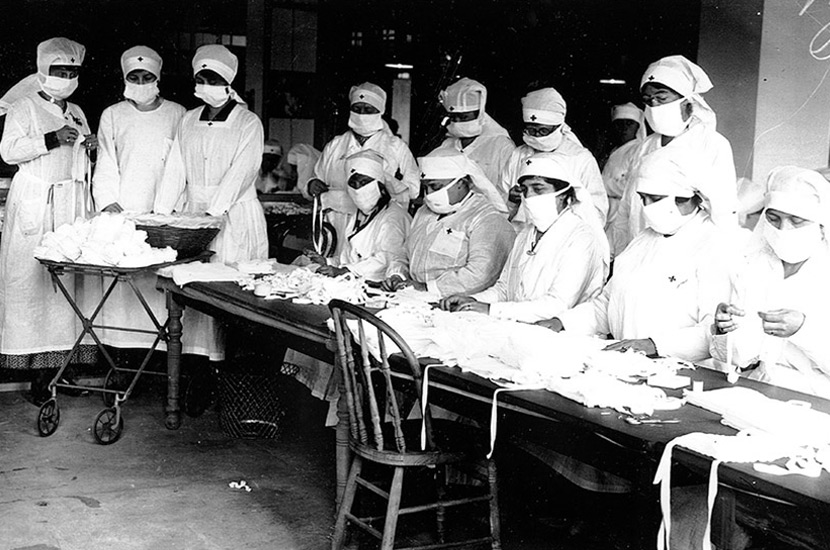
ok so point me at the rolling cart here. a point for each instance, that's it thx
(109, 424)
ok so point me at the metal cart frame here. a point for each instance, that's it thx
(109, 423)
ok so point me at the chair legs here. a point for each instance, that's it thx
(339, 537)
(393, 507)
(390, 523)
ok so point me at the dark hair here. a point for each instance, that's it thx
(558, 185)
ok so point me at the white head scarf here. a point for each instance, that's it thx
(448, 163)
(222, 61)
(55, 51)
(685, 78)
(464, 96)
(272, 147)
(141, 57)
(544, 106)
(629, 111)
(367, 162)
(369, 93)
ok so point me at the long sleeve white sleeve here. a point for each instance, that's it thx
(170, 193)
(106, 182)
(21, 141)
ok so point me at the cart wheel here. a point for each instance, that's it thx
(112, 382)
(200, 394)
(105, 429)
(48, 418)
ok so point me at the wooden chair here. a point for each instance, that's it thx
(381, 438)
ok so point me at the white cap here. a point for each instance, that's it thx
(368, 93)
(141, 57)
(545, 106)
(367, 162)
(464, 96)
(679, 74)
(216, 58)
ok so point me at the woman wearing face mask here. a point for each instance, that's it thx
(376, 231)
(135, 137)
(683, 123)
(458, 241)
(470, 130)
(669, 278)
(212, 168)
(777, 313)
(37, 326)
(367, 131)
(555, 262)
(546, 131)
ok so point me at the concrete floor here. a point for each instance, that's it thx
(157, 489)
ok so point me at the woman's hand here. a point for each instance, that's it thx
(332, 271)
(452, 303)
(397, 282)
(314, 257)
(90, 142)
(782, 323)
(67, 135)
(724, 314)
(316, 187)
(644, 345)
(553, 324)
(114, 208)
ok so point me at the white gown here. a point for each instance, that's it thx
(460, 253)
(663, 288)
(565, 269)
(369, 251)
(713, 155)
(490, 150)
(582, 165)
(212, 169)
(133, 146)
(800, 362)
(34, 317)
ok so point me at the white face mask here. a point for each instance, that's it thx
(439, 201)
(215, 96)
(468, 128)
(793, 245)
(141, 94)
(366, 197)
(667, 119)
(664, 217)
(365, 125)
(543, 209)
(59, 88)
(547, 143)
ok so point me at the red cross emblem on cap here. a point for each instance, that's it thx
(528, 162)
(204, 65)
(72, 60)
(140, 59)
(533, 117)
(651, 77)
(353, 171)
(423, 176)
(361, 96)
(452, 108)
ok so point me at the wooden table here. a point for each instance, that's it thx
(596, 436)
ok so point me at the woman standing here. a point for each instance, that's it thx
(135, 137)
(37, 326)
(213, 169)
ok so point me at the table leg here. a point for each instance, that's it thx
(174, 362)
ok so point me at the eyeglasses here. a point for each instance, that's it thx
(540, 131)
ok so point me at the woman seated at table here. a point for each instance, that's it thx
(669, 277)
(557, 260)
(459, 243)
(777, 317)
(376, 232)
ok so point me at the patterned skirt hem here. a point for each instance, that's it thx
(85, 355)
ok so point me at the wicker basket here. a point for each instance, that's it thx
(251, 406)
(188, 242)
